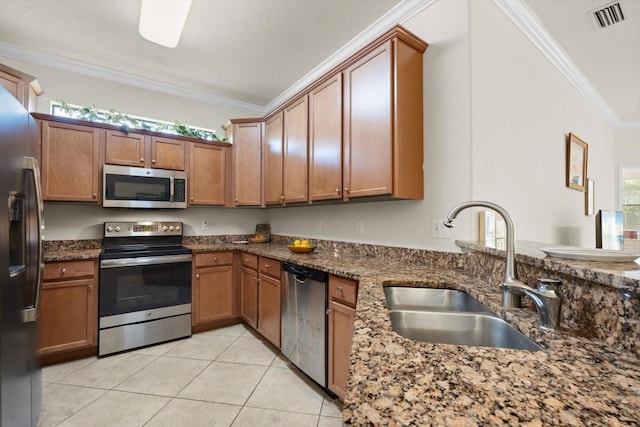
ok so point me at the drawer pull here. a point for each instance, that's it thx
(267, 266)
(90, 287)
(215, 259)
(339, 288)
(141, 159)
(63, 270)
(198, 276)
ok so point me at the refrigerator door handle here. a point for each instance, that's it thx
(32, 313)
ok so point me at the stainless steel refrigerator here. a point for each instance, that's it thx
(21, 265)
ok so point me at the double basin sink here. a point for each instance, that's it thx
(448, 316)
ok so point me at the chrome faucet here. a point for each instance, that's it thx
(547, 300)
(510, 296)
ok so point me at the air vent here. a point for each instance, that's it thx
(609, 15)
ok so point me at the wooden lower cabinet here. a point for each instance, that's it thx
(68, 314)
(249, 296)
(269, 300)
(342, 299)
(213, 290)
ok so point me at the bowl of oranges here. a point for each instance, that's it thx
(301, 247)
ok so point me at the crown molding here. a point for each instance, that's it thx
(527, 22)
(29, 55)
(401, 13)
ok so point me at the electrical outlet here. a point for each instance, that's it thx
(438, 229)
(360, 227)
(205, 226)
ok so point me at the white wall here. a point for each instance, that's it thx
(72, 221)
(522, 110)
(84, 90)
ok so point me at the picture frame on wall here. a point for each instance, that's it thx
(577, 157)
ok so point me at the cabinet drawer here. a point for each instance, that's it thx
(213, 259)
(249, 260)
(68, 270)
(343, 289)
(270, 267)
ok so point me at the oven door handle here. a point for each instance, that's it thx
(146, 260)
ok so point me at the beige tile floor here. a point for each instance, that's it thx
(225, 377)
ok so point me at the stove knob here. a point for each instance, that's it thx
(109, 229)
(177, 228)
(171, 228)
(117, 228)
(165, 228)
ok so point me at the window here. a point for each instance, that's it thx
(93, 114)
(630, 201)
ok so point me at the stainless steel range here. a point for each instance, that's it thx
(145, 285)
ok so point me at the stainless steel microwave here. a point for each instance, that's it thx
(130, 187)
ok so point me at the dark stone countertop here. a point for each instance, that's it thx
(397, 381)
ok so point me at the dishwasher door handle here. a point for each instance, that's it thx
(302, 282)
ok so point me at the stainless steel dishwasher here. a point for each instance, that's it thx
(304, 320)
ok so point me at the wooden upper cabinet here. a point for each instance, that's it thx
(272, 160)
(368, 125)
(132, 149)
(207, 174)
(247, 164)
(295, 155)
(383, 120)
(167, 153)
(23, 87)
(127, 149)
(71, 160)
(325, 140)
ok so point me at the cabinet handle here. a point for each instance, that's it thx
(236, 200)
(94, 195)
(337, 191)
(141, 159)
(328, 311)
(215, 259)
(267, 266)
(90, 287)
(346, 189)
(339, 288)
(153, 161)
(257, 280)
(63, 270)
(191, 198)
(197, 275)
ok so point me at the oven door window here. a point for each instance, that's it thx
(138, 288)
(131, 187)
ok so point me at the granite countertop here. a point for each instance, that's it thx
(397, 381)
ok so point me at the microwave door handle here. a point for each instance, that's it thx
(32, 313)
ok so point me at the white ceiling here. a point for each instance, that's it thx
(247, 53)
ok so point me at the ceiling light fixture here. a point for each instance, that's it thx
(162, 21)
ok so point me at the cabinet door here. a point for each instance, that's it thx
(269, 303)
(127, 149)
(249, 296)
(368, 137)
(67, 316)
(325, 140)
(295, 158)
(341, 320)
(212, 294)
(207, 174)
(272, 161)
(71, 162)
(167, 153)
(247, 173)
